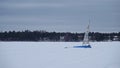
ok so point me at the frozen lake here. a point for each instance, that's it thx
(55, 55)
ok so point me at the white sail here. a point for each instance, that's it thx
(86, 36)
(86, 43)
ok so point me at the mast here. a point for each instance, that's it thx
(86, 36)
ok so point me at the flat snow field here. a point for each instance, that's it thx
(55, 55)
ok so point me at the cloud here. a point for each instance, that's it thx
(67, 13)
(31, 5)
(57, 3)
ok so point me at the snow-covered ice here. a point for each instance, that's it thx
(55, 55)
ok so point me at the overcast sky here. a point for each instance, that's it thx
(60, 15)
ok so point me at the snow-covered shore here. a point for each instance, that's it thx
(55, 55)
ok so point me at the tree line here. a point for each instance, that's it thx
(56, 36)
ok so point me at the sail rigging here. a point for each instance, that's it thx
(86, 36)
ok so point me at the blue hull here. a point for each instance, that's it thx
(88, 46)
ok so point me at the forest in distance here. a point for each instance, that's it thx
(42, 35)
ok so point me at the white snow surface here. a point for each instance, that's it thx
(55, 55)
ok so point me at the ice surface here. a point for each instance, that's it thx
(55, 55)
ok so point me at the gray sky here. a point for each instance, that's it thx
(60, 15)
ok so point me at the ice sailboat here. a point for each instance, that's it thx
(85, 43)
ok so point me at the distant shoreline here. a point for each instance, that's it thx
(43, 36)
